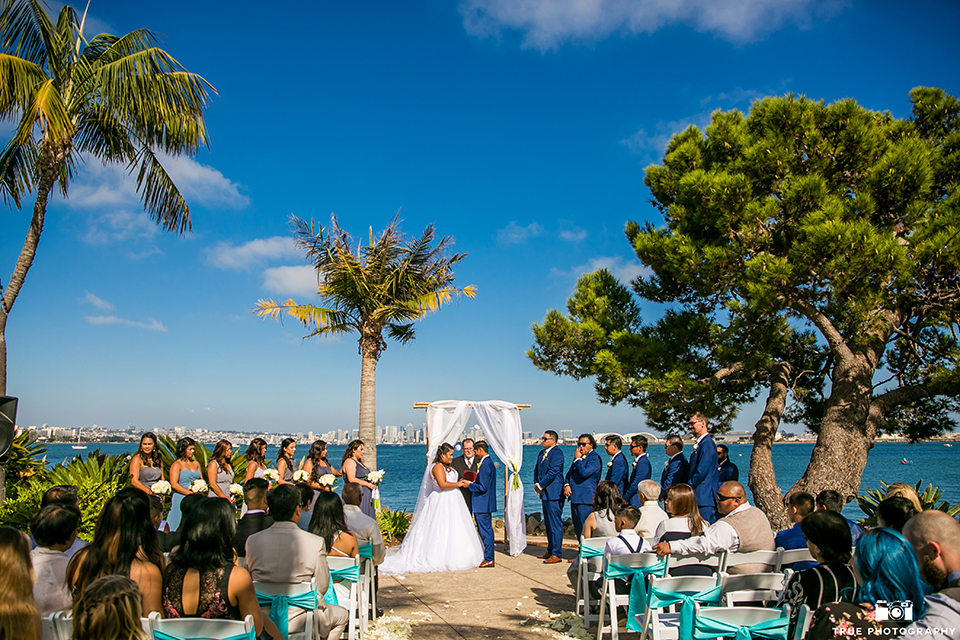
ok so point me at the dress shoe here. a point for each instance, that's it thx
(487, 563)
(552, 560)
(544, 556)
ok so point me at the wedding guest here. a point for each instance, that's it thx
(317, 465)
(19, 618)
(285, 464)
(355, 471)
(651, 515)
(168, 539)
(675, 469)
(256, 519)
(684, 522)
(146, 467)
(468, 461)
(256, 459)
(124, 543)
(640, 470)
(903, 490)
(703, 476)
(831, 500)
(201, 580)
(220, 472)
(627, 540)
(799, 505)
(329, 523)
(894, 513)
(360, 524)
(547, 482)
(618, 471)
(887, 569)
(66, 495)
(109, 609)
(726, 470)
(602, 521)
(306, 504)
(183, 472)
(832, 580)
(935, 537)
(580, 485)
(284, 553)
(54, 528)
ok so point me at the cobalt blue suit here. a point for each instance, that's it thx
(675, 472)
(582, 478)
(485, 503)
(704, 477)
(729, 471)
(548, 473)
(619, 472)
(641, 471)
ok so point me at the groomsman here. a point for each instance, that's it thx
(548, 483)
(641, 470)
(461, 464)
(618, 470)
(726, 469)
(704, 477)
(581, 481)
(675, 469)
(484, 501)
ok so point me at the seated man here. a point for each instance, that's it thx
(743, 528)
(256, 518)
(54, 528)
(360, 524)
(285, 553)
(651, 515)
(799, 506)
(935, 537)
(64, 494)
(831, 500)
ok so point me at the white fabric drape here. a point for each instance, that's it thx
(446, 420)
(500, 422)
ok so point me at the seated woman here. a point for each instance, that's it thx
(832, 580)
(894, 512)
(886, 568)
(202, 580)
(684, 522)
(601, 523)
(108, 608)
(124, 543)
(329, 523)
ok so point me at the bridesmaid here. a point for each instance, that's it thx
(256, 459)
(183, 471)
(288, 449)
(146, 466)
(219, 471)
(355, 471)
(317, 465)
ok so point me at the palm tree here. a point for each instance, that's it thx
(386, 286)
(116, 99)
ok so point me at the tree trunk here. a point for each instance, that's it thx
(368, 400)
(762, 478)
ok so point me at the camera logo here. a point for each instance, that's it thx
(895, 610)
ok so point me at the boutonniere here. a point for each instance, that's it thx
(610, 464)
(695, 447)
(666, 464)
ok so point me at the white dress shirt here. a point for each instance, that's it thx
(50, 580)
(718, 537)
(366, 530)
(617, 547)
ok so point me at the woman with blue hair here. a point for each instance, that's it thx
(890, 596)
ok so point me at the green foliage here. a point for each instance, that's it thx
(393, 524)
(28, 459)
(930, 498)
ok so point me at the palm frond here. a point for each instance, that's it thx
(320, 319)
(19, 79)
(48, 109)
(100, 134)
(161, 198)
(26, 30)
(402, 333)
(17, 171)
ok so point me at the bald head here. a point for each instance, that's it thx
(730, 495)
(734, 489)
(935, 537)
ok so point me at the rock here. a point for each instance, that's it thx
(568, 531)
(534, 523)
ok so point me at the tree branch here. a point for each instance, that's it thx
(833, 337)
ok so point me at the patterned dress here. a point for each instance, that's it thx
(214, 597)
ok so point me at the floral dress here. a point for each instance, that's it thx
(214, 600)
(846, 621)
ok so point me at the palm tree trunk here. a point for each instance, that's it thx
(368, 400)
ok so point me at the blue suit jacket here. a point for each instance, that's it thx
(583, 476)
(548, 473)
(704, 477)
(619, 472)
(484, 488)
(727, 472)
(641, 471)
(674, 473)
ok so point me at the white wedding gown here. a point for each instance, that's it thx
(442, 536)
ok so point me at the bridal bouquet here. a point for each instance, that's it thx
(326, 480)
(514, 464)
(236, 490)
(271, 475)
(199, 486)
(161, 488)
(375, 476)
(300, 476)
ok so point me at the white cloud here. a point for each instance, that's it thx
(152, 325)
(624, 270)
(574, 234)
(546, 24)
(98, 302)
(249, 254)
(120, 226)
(655, 142)
(290, 280)
(202, 184)
(515, 234)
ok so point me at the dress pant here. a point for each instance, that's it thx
(551, 514)
(580, 513)
(485, 525)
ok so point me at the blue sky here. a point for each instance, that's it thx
(520, 127)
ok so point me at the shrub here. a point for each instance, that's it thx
(393, 524)
(930, 498)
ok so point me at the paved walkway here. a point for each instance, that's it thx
(482, 604)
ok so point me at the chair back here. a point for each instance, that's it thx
(804, 620)
(205, 628)
(47, 629)
(789, 556)
(750, 587)
(740, 616)
(684, 584)
(353, 606)
(61, 626)
(632, 560)
(714, 562)
(753, 558)
(291, 589)
(593, 547)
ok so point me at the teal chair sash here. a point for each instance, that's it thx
(280, 607)
(704, 628)
(660, 598)
(638, 586)
(160, 635)
(590, 551)
(350, 574)
(366, 551)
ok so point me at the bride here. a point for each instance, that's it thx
(442, 536)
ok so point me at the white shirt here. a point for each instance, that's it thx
(469, 461)
(366, 530)
(616, 546)
(718, 537)
(637, 459)
(50, 580)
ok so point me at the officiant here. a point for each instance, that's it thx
(466, 462)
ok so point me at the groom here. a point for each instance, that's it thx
(484, 500)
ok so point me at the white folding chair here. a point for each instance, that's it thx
(789, 556)
(201, 627)
(48, 627)
(368, 592)
(713, 562)
(309, 631)
(666, 626)
(609, 593)
(804, 620)
(750, 587)
(733, 560)
(589, 569)
(741, 616)
(353, 603)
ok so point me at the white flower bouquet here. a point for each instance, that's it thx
(236, 490)
(375, 476)
(300, 476)
(513, 463)
(199, 486)
(271, 475)
(326, 480)
(161, 488)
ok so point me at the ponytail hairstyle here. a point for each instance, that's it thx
(316, 456)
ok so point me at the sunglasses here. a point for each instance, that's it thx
(723, 498)
(583, 444)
